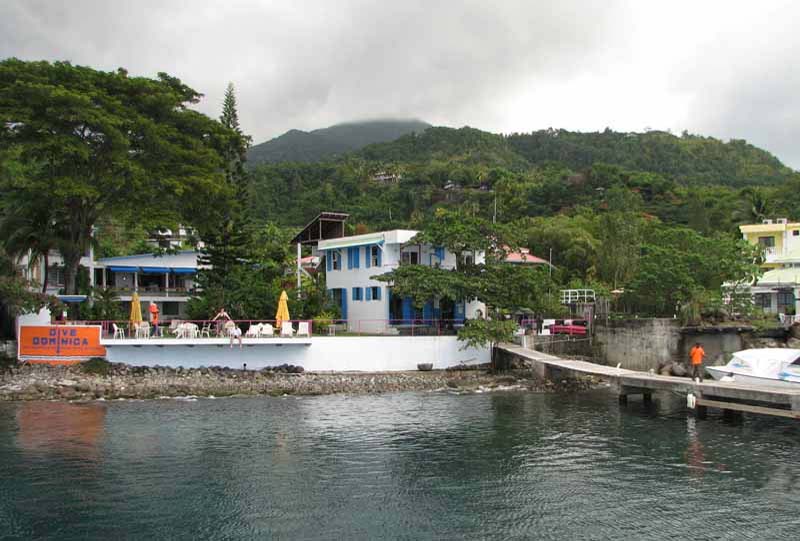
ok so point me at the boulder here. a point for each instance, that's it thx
(794, 331)
(793, 343)
(677, 369)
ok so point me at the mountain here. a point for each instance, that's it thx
(689, 159)
(327, 143)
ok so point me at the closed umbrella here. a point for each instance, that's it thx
(136, 311)
(283, 310)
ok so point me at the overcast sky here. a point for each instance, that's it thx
(727, 69)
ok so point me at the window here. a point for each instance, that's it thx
(766, 242)
(785, 300)
(55, 276)
(795, 232)
(375, 256)
(352, 258)
(410, 258)
(170, 309)
(373, 293)
(336, 260)
(358, 294)
(763, 300)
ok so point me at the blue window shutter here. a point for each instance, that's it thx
(356, 254)
(369, 293)
(378, 254)
(408, 308)
(329, 260)
(344, 304)
(440, 253)
(355, 293)
(367, 257)
(349, 258)
(377, 293)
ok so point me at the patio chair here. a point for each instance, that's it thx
(303, 329)
(143, 330)
(191, 330)
(287, 329)
(266, 330)
(119, 332)
(253, 331)
(206, 330)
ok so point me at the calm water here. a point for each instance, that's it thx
(406, 466)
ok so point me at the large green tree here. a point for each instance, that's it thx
(94, 144)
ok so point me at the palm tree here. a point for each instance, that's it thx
(30, 230)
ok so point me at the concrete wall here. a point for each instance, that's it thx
(345, 353)
(637, 344)
(642, 344)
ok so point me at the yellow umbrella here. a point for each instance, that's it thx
(283, 310)
(136, 311)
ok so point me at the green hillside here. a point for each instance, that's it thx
(327, 143)
(701, 182)
(688, 158)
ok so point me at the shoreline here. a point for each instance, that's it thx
(74, 383)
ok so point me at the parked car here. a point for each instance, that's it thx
(572, 327)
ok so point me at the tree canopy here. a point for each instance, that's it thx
(90, 144)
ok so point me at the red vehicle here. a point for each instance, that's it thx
(572, 327)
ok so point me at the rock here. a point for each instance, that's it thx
(677, 369)
(793, 343)
(794, 331)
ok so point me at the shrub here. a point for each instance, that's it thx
(97, 366)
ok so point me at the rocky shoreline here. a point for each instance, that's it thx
(117, 381)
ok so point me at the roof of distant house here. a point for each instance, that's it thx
(525, 257)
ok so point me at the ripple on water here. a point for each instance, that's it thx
(415, 466)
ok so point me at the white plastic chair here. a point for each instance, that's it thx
(253, 331)
(286, 328)
(266, 330)
(143, 330)
(119, 332)
(303, 329)
(191, 330)
(206, 330)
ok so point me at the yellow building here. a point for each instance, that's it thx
(778, 289)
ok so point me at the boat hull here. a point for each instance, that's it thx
(718, 372)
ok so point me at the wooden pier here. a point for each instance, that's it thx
(730, 397)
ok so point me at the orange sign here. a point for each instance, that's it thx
(60, 341)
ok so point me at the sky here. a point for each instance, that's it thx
(725, 69)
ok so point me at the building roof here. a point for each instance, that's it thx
(525, 257)
(327, 225)
(768, 227)
(184, 261)
(786, 276)
(395, 236)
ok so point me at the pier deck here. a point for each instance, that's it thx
(710, 393)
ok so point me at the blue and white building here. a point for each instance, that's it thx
(368, 304)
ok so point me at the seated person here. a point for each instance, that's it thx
(233, 332)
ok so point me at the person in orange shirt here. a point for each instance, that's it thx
(696, 355)
(154, 318)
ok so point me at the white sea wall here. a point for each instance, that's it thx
(340, 353)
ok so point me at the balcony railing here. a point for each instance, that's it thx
(153, 291)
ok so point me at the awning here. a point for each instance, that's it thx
(183, 270)
(349, 242)
(123, 269)
(71, 298)
(155, 270)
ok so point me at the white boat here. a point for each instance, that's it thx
(770, 367)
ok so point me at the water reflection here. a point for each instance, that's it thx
(60, 427)
(405, 465)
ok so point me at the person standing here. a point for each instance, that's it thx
(696, 355)
(154, 318)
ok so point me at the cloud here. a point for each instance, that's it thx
(504, 66)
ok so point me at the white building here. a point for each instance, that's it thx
(166, 280)
(368, 304)
(777, 291)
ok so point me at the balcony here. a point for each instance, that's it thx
(154, 291)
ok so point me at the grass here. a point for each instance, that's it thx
(97, 366)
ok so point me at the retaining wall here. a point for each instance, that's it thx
(638, 344)
(340, 353)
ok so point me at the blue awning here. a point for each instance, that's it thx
(183, 270)
(123, 269)
(71, 298)
(155, 270)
